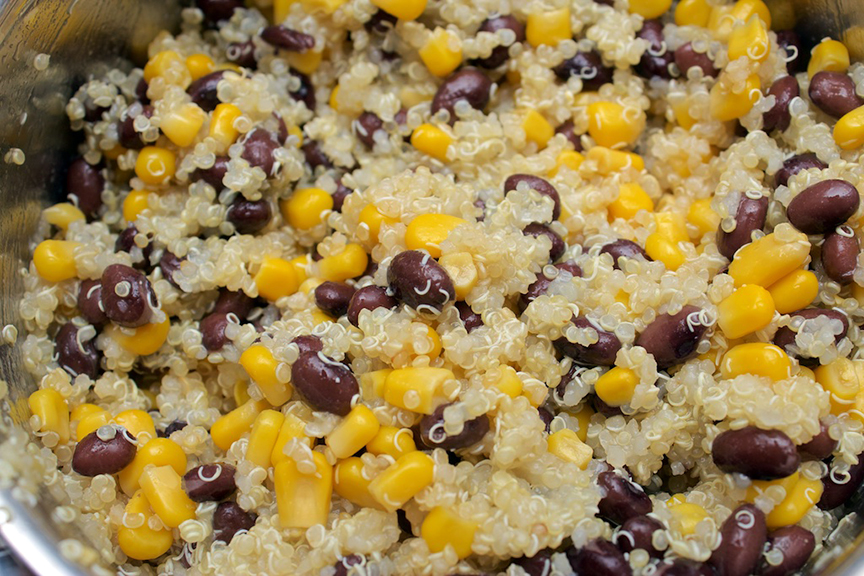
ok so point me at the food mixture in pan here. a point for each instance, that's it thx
(389, 287)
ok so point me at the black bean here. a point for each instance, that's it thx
(170, 265)
(308, 343)
(536, 230)
(820, 447)
(236, 303)
(500, 54)
(432, 432)
(791, 44)
(141, 91)
(624, 249)
(683, 567)
(656, 59)
(546, 417)
(339, 195)
(249, 216)
(212, 329)
(467, 84)
(823, 206)
(622, 498)
(209, 482)
(834, 93)
(381, 22)
(75, 355)
(603, 408)
(588, 66)
(229, 519)
(216, 10)
(687, 57)
(314, 155)
(672, 338)
(598, 558)
(126, 296)
(838, 488)
(417, 279)
(258, 149)
(637, 532)
(469, 318)
(92, 112)
(306, 92)
(749, 217)
(345, 564)
(126, 243)
(369, 298)
(287, 39)
(90, 302)
(173, 427)
(795, 164)
(743, 535)
(538, 565)
(537, 184)
(104, 451)
(756, 453)
(840, 255)
(365, 128)
(795, 543)
(326, 385)
(569, 132)
(242, 54)
(785, 336)
(126, 133)
(85, 183)
(334, 297)
(600, 353)
(784, 90)
(203, 91)
(541, 285)
(213, 175)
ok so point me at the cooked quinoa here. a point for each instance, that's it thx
(385, 287)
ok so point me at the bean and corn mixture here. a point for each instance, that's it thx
(384, 287)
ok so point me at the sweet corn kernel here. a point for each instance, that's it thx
(163, 488)
(157, 452)
(162, 63)
(262, 438)
(671, 225)
(725, 105)
(460, 266)
(723, 18)
(800, 498)
(442, 528)
(442, 53)
(683, 117)
(567, 159)
(222, 125)
(748, 309)
(143, 543)
(261, 366)
(858, 294)
(537, 129)
(685, 515)
(661, 249)
(276, 278)
(583, 418)
(296, 132)
(356, 430)
(433, 349)
(91, 423)
(828, 56)
(549, 27)
(567, 445)
(281, 8)
(750, 40)
(428, 231)
(849, 130)
(308, 286)
(609, 161)
(144, 340)
(62, 215)
(372, 383)
(417, 389)
(199, 65)
(692, 13)
(300, 265)
(768, 259)
(794, 291)
(806, 372)
(631, 199)
(612, 125)
(758, 487)
(182, 125)
(703, 217)
(616, 386)
(349, 263)
(372, 219)
(53, 412)
(507, 381)
(139, 423)
(135, 203)
(403, 480)
(55, 260)
(649, 8)
(402, 9)
(231, 426)
(303, 500)
(757, 358)
(432, 141)
(83, 410)
(155, 165)
(842, 381)
(350, 483)
(292, 427)
(305, 62)
(333, 101)
(392, 441)
(326, 6)
(306, 208)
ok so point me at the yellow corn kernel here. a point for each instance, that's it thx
(297, 132)
(417, 389)
(306, 208)
(326, 6)
(292, 427)
(442, 528)
(428, 231)
(750, 40)
(281, 8)
(162, 63)
(840, 379)
(671, 225)
(567, 159)
(356, 430)
(583, 418)
(800, 498)
(91, 422)
(53, 412)
(163, 488)
(609, 161)
(703, 217)
(432, 350)
(144, 340)
(567, 445)
(748, 309)
(806, 372)
(303, 499)
(616, 386)
(392, 441)
(631, 199)
(692, 13)
(442, 53)
(319, 317)
(460, 266)
(157, 452)
(62, 215)
(849, 130)
(182, 125)
(758, 487)
(858, 294)
(685, 515)
(537, 129)
(155, 165)
(507, 381)
(222, 125)
(83, 410)
(723, 18)
(684, 118)
(403, 480)
(757, 358)
(549, 27)
(261, 366)
(230, 427)
(142, 542)
(402, 9)
(300, 265)
(305, 62)
(663, 250)
(309, 285)
(794, 291)
(828, 56)
(726, 105)
(333, 101)
(350, 483)
(262, 438)
(613, 125)
(432, 141)
(199, 65)
(649, 8)
(349, 263)
(372, 383)
(55, 260)
(768, 259)
(372, 218)
(139, 423)
(276, 278)
(134, 203)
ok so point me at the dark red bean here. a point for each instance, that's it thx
(598, 558)
(795, 164)
(749, 217)
(537, 184)
(417, 279)
(603, 408)
(672, 338)
(756, 453)
(784, 90)
(258, 149)
(469, 318)
(173, 427)
(345, 564)
(538, 565)
(381, 23)
(637, 532)
(795, 543)
(90, 302)
(683, 567)
(687, 57)
(127, 296)
(500, 54)
(823, 206)
(236, 303)
(840, 255)
(213, 175)
(326, 385)
(92, 112)
(314, 155)
(365, 128)
(306, 92)
(820, 447)
(600, 353)
(656, 59)
(212, 329)
(791, 44)
(339, 195)
(170, 265)
(203, 91)
(126, 243)
(283, 37)
(141, 91)
(216, 10)
(107, 450)
(624, 249)
(785, 336)
(432, 432)
(334, 297)
(838, 488)
(834, 93)
(541, 285)
(75, 355)
(242, 54)
(536, 230)
(562, 384)
(743, 535)
(229, 519)
(126, 133)
(588, 66)
(622, 499)
(569, 132)
(308, 343)
(209, 482)
(369, 298)
(249, 216)
(468, 84)
(546, 417)
(85, 183)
